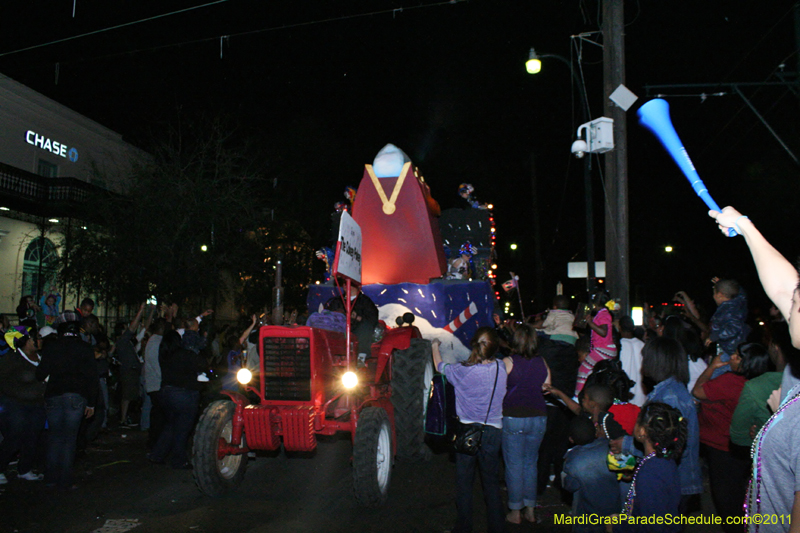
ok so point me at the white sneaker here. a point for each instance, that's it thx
(202, 377)
(3, 479)
(30, 476)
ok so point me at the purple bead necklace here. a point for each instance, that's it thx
(755, 455)
(628, 507)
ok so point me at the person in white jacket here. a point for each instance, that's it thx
(630, 356)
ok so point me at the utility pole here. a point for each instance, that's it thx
(797, 42)
(616, 161)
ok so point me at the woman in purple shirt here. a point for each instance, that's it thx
(524, 422)
(473, 381)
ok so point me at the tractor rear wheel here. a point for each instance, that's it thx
(214, 475)
(372, 457)
(412, 371)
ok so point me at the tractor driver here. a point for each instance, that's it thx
(364, 319)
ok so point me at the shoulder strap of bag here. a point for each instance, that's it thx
(497, 373)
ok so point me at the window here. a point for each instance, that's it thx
(46, 169)
(40, 251)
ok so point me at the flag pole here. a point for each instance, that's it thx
(519, 294)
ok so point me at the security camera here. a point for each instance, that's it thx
(579, 148)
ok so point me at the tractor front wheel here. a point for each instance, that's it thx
(372, 457)
(214, 475)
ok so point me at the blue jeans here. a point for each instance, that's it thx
(521, 440)
(64, 416)
(21, 425)
(180, 407)
(488, 461)
(147, 405)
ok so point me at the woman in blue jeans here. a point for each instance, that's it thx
(179, 397)
(524, 423)
(480, 385)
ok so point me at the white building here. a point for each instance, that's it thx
(51, 160)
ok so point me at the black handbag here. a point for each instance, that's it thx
(467, 437)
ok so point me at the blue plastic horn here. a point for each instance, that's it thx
(654, 115)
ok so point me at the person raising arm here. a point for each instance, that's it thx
(778, 276)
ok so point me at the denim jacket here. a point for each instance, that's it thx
(728, 324)
(595, 486)
(674, 393)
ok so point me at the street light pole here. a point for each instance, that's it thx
(587, 170)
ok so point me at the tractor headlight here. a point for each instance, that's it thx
(244, 376)
(349, 380)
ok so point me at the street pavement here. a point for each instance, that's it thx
(119, 490)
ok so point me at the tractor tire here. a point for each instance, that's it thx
(212, 475)
(412, 371)
(372, 457)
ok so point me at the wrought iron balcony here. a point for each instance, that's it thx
(36, 195)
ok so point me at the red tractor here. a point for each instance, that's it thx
(305, 387)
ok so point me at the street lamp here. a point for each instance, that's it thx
(534, 65)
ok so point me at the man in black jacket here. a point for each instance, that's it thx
(71, 395)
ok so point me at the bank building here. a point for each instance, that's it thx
(52, 161)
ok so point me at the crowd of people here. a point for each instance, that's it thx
(63, 381)
(627, 421)
(624, 420)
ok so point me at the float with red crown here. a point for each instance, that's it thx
(336, 375)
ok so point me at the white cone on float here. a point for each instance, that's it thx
(389, 161)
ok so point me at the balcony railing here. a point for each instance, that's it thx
(36, 195)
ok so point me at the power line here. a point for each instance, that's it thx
(393, 11)
(109, 28)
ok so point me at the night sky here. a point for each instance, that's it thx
(323, 85)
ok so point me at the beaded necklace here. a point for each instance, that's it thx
(755, 455)
(628, 507)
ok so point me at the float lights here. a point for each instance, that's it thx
(513, 246)
(53, 220)
(668, 249)
(204, 248)
(533, 65)
(244, 376)
(349, 380)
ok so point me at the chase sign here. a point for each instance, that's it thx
(54, 147)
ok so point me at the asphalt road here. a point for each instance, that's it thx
(119, 490)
